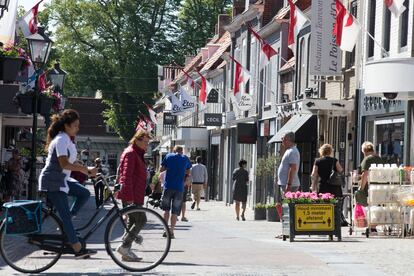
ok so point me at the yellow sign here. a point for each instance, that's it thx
(314, 217)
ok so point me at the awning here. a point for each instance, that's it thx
(303, 125)
(102, 146)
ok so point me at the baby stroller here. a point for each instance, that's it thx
(154, 199)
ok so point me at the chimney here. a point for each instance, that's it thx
(271, 8)
(223, 20)
(238, 7)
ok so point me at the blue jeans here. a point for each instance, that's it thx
(60, 202)
(172, 200)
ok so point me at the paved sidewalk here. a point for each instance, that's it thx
(214, 243)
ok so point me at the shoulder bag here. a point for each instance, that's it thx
(336, 178)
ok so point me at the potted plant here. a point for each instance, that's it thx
(260, 211)
(271, 213)
(11, 60)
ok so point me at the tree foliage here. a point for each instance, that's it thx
(197, 20)
(114, 46)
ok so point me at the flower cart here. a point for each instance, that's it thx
(310, 214)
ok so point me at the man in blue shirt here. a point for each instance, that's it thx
(177, 166)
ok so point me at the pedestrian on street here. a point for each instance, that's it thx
(98, 184)
(177, 166)
(55, 176)
(241, 179)
(287, 174)
(370, 157)
(186, 196)
(200, 177)
(132, 177)
(14, 166)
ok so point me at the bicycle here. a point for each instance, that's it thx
(34, 253)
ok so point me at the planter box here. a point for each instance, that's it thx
(26, 103)
(9, 68)
(271, 214)
(45, 105)
(311, 219)
(259, 213)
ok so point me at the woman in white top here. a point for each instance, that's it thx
(55, 176)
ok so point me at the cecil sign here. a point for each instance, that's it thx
(213, 119)
(314, 217)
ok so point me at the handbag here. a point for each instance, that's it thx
(336, 178)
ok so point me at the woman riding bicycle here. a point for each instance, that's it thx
(55, 176)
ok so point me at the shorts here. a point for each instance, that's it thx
(280, 192)
(172, 200)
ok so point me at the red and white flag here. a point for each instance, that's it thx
(346, 29)
(152, 114)
(141, 125)
(28, 22)
(190, 81)
(296, 22)
(241, 77)
(396, 7)
(267, 50)
(205, 89)
(8, 24)
(149, 123)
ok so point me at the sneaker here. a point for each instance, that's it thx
(139, 239)
(184, 219)
(127, 254)
(164, 235)
(243, 218)
(193, 205)
(85, 253)
(198, 209)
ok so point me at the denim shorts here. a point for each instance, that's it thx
(172, 200)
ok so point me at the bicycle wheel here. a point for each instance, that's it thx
(21, 252)
(151, 243)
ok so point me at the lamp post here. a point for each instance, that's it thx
(88, 147)
(4, 5)
(57, 76)
(39, 47)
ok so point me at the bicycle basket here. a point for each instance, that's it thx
(23, 216)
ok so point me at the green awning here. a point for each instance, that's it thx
(107, 146)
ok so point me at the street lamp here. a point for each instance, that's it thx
(4, 5)
(88, 147)
(57, 76)
(39, 46)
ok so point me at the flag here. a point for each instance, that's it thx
(205, 88)
(175, 102)
(296, 22)
(190, 81)
(42, 81)
(241, 77)
(141, 125)
(187, 103)
(267, 50)
(346, 29)
(8, 24)
(152, 114)
(28, 22)
(149, 123)
(396, 7)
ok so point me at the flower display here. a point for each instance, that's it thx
(308, 197)
(12, 51)
(50, 92)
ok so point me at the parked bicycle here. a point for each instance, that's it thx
(37, 252)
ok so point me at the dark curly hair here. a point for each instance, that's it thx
(68, 116)
(242, 162)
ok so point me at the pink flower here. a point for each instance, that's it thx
(289, 195)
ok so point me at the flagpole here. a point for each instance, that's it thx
(372, 37)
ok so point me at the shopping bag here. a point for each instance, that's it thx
(361, 197)
(359, 216)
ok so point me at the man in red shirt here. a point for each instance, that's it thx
(132, 176)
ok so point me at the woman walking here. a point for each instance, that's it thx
(240, 178)
(55, 176)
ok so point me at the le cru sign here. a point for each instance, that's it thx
(170, 119)
(213, 119)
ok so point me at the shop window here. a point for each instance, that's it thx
(386, 28)
(371, 27)
(389, 139)
(404, 25)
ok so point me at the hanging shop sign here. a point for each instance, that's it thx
(246, 133)
(245, 103)
(325, 56)
(314, 217)
(170, 119)
(213, 119)
(213, 96)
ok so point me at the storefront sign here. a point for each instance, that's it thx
(314, 217)
(170, 119)
(213, 96)
(246, 133)
(245, 103)
(213, 119)
(325, 56)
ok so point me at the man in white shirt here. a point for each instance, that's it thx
(200, 178)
